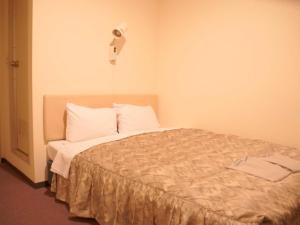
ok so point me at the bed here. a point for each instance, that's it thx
(171, 177)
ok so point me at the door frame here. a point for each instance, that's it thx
(5, 143)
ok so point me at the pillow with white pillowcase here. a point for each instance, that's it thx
(135, 118)
(84, 123)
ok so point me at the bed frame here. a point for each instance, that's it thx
(55, 113)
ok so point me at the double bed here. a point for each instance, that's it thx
(170, 177)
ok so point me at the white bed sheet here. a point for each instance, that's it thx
(55, 146)
(62, 152)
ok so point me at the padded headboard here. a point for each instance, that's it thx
(55, 113)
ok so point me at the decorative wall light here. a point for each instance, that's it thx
(118, 42)
(120, 30)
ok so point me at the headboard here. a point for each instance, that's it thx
(55, 113)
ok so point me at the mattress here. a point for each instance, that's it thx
(178, 177)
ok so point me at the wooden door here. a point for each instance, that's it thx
(20, 77)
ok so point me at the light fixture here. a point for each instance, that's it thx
(120, 30)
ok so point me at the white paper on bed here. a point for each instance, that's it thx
(260, 168)
(62, 160)
(286, 162)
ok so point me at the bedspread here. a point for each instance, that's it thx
(178, 177)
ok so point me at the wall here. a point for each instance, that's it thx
(227, 66)
(70, 54)
(231, 66)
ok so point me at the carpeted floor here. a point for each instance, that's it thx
(21, 204)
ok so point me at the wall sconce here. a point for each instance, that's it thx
(120, 30)
(118, 42)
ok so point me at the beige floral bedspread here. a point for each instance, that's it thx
(178, 177)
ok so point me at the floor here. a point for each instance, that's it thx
(21, 204)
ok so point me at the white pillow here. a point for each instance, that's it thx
(85, 123)
(135, 118)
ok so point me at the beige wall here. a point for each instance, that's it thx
(231, 66)
(227, 66)
(70, 53)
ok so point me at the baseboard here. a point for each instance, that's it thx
(26, 179)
